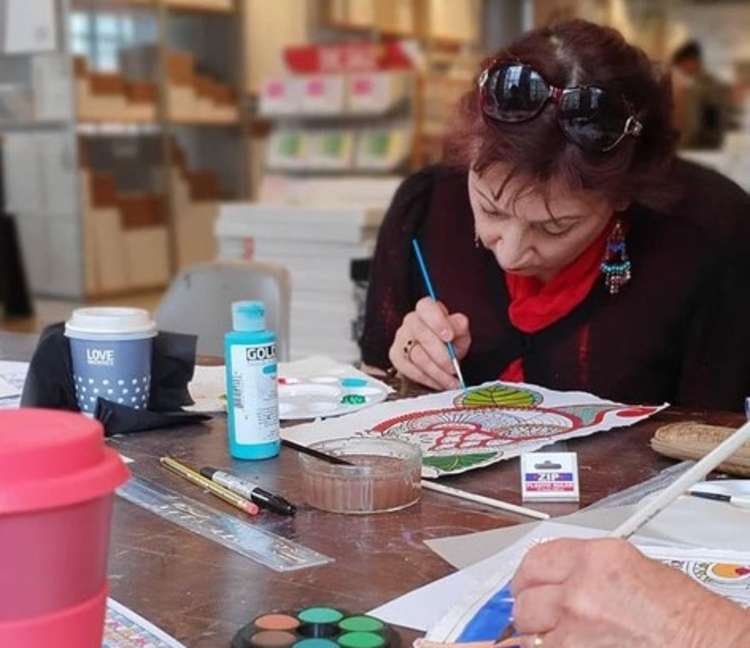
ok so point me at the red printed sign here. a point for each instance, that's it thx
(348, 57)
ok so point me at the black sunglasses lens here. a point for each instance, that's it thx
(514, 92)
(593, 118)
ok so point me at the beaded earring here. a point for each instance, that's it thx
(616, 266)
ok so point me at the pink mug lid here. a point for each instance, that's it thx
(50, 459)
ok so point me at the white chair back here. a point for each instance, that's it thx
(199, 301)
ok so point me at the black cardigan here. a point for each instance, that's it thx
(678, 332)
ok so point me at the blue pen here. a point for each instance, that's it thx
(431, 290)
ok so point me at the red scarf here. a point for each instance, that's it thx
(534, 305)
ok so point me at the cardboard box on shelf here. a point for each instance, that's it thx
(125, 237)
(180, 67)
(383, 149)
(202, 5)
(287, 149)
(330, 149)
(323, 94)
(378, 92)
(281, 96)
(113, 97)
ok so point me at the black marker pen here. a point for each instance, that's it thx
(250, 491)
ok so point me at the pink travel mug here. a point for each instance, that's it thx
(57, 480)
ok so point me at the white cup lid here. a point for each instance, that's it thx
(108, 320)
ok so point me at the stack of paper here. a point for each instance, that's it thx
(317, 245)
(12, 377)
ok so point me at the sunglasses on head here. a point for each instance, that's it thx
(593, 118)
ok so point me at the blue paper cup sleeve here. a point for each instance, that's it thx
(117, 370)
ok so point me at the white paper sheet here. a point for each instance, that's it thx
(208, 389)
(29, 26)
(423, 608)
(679, 524)
(12, 378)
(6, 389)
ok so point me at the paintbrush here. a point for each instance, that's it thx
(433, 295)
(331, 459)
(425, 643)
(736, 500)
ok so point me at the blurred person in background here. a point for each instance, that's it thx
(702, 102)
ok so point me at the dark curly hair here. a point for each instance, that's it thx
(577, 52)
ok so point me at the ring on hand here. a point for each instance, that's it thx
(408, 348)
(538, 641)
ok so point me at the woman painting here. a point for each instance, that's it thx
(567, 244)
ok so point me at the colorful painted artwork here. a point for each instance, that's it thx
(725, 574)
(123, 628)
(459, 431)
(486, 613)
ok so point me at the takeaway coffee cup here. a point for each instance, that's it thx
(57, 480)
(111, 353)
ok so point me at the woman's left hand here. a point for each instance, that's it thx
(606, 594)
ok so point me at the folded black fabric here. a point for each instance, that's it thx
(49, 383)
(121, 419)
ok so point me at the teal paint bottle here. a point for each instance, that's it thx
(252, 388)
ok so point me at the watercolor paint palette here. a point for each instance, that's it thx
(316, 627)
(327, 395)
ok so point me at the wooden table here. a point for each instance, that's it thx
(202, 593)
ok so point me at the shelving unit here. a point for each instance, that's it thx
(448, 35)
(222, 6)
(119, 144)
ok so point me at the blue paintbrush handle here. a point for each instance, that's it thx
(431, 291)
(423, 269)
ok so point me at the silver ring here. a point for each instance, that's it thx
(538, 641)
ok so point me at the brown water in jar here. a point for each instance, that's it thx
(390, 486)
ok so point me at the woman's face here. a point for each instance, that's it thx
(527, 236)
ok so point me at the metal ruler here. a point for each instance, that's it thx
(261, 546)
(636, 493)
